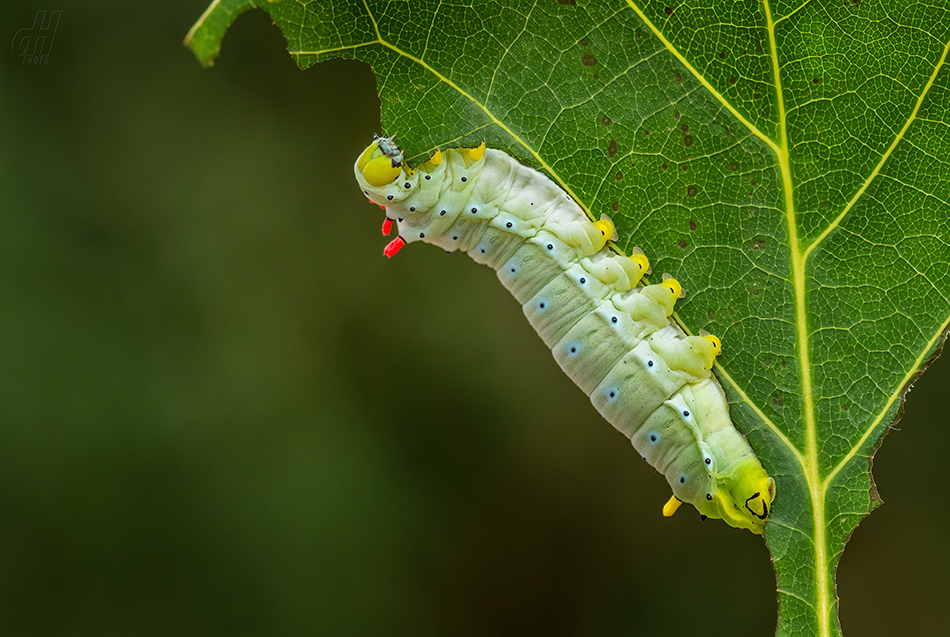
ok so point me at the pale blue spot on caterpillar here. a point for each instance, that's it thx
(609, 333)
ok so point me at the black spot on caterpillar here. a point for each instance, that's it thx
(608, 332)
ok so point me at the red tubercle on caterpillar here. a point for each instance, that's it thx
(394, 247)
(387, 226)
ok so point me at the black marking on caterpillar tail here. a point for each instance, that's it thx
(609, 332)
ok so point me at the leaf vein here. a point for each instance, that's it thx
(897, 393)
(701, 78)
(877, 169)
(497, 122)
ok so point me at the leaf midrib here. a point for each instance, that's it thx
(810, 461)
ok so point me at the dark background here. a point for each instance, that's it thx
(223, 412)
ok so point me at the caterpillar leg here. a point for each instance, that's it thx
(671, 506)
(435, 160)
(692, 354)
(607, 228)
(674, 287)
(587, 236)
(619, 271)
(393, 247)
(472, 155)
(654, 303)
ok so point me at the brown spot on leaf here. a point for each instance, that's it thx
(688, 140)
(668, 10)
(733, 166)
(778, 401)
(681, 243)
(711, 315)
(588, 60)
(692, 191)
(678, 77)
(684, 128)
(619, 176)
(605, 121)
(582, 41)
(758, 245)
(615, 206)
(768, 362)
(612, 148)
(665, 166)
(815, 80)
(692, 226)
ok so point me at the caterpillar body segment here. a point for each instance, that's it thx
(610, 333)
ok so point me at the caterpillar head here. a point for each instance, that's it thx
(387, 180)
(745, 496)
(381, 162)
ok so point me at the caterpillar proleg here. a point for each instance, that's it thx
(610, 333)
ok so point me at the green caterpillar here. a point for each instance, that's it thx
(611, 335)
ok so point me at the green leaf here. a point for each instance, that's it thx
(783, 160)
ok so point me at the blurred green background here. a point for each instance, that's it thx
(223, 412)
